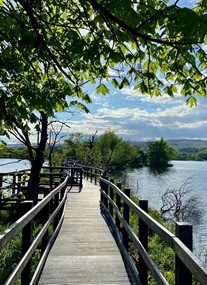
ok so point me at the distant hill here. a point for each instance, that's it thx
(186, 143)
(180, 144)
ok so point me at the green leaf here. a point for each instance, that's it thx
(125, 82)
(191, 101)
(115, 82)
(102, 89)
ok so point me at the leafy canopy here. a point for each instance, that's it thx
(50, 49)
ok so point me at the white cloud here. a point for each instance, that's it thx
(164, 99)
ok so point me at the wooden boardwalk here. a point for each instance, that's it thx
(85, 251)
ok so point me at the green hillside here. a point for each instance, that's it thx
(180, 144)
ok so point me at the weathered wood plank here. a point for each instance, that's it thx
(85, 251)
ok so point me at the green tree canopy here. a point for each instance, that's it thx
(160, 153)
(115, 152)
(49, 50)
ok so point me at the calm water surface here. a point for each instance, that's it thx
(9, 165)
(151, 186)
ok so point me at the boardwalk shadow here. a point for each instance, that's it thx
(74, 189)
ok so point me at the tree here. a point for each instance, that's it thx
(54, 139)
(160, 153)
(49, 50)
(179, 205)
(115, 152)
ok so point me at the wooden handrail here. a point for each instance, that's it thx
(192, 263)
(23, 222)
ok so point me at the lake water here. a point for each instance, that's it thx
(149, 185)
(9, 165)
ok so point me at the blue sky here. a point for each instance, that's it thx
(138, 117)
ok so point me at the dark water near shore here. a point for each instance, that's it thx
(149, 185)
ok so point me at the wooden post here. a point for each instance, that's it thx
(45, 213)
(143, 237)
(1, 184)
(19, 176)
(87, 173)
(51, 178)
(126, 218)
(81, 178)
(26, 242)
(14, 184)
(1, 181)
(106, 191)
(101, 194)
(95, 176)
(91, 175)
(56, 203)
(118, 203)
(184, 231)
(111, 194)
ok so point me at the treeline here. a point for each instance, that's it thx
(192, 154)
(110, 152)
(14, 152)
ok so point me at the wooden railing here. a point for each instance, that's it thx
(74, 173)
(89, 172)
(92, 173)
(118, 206)
(47, 216)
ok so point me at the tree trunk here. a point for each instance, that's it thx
(38, 160)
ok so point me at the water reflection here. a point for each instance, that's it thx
(158, 171)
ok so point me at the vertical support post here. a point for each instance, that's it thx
(184, 231)
(126, 218)
(1, 185)
(56, 203)
(81, 178)
(111, 194)
(91, 175)
(101, 194)
(14, 183)
(143, 237)
(118, 203)
(106, 191)
(95, 176)
(51, 178)
(26, 242)
(87, 173)
(1, 180)
(45, 213)
(19, 176)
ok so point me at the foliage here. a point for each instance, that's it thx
(107, 151)
(59, 46)
(14, 152)
(10, 255)
(51, 50)
(160, 153)
(164, 258)
(115, 152)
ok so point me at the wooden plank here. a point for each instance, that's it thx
(84, 251)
